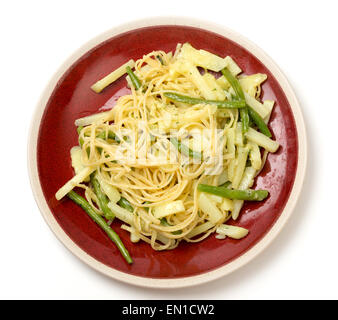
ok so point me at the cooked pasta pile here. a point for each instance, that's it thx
(175, 159)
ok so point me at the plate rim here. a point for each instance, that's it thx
(208, 276)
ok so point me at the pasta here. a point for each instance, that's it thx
(174, 159)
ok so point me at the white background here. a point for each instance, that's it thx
(301, 36)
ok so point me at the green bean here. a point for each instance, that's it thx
(225, 184)
(166, 224)
(259, 122)
(245, 119)
(101, 222)
(185, 150)
(78, 129)
(81, 141)
(134, 79)
(249, 194)
(234, 83)
(240, 94)
(235, 104)
(102, 198)
(102, 135)
(249, 113)
(164, 221)
(111, 135)
(159, 58)
(124, 203)
(146, 208)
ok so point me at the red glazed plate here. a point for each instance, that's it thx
(68, 97)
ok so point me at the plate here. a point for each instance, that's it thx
(68, 97)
